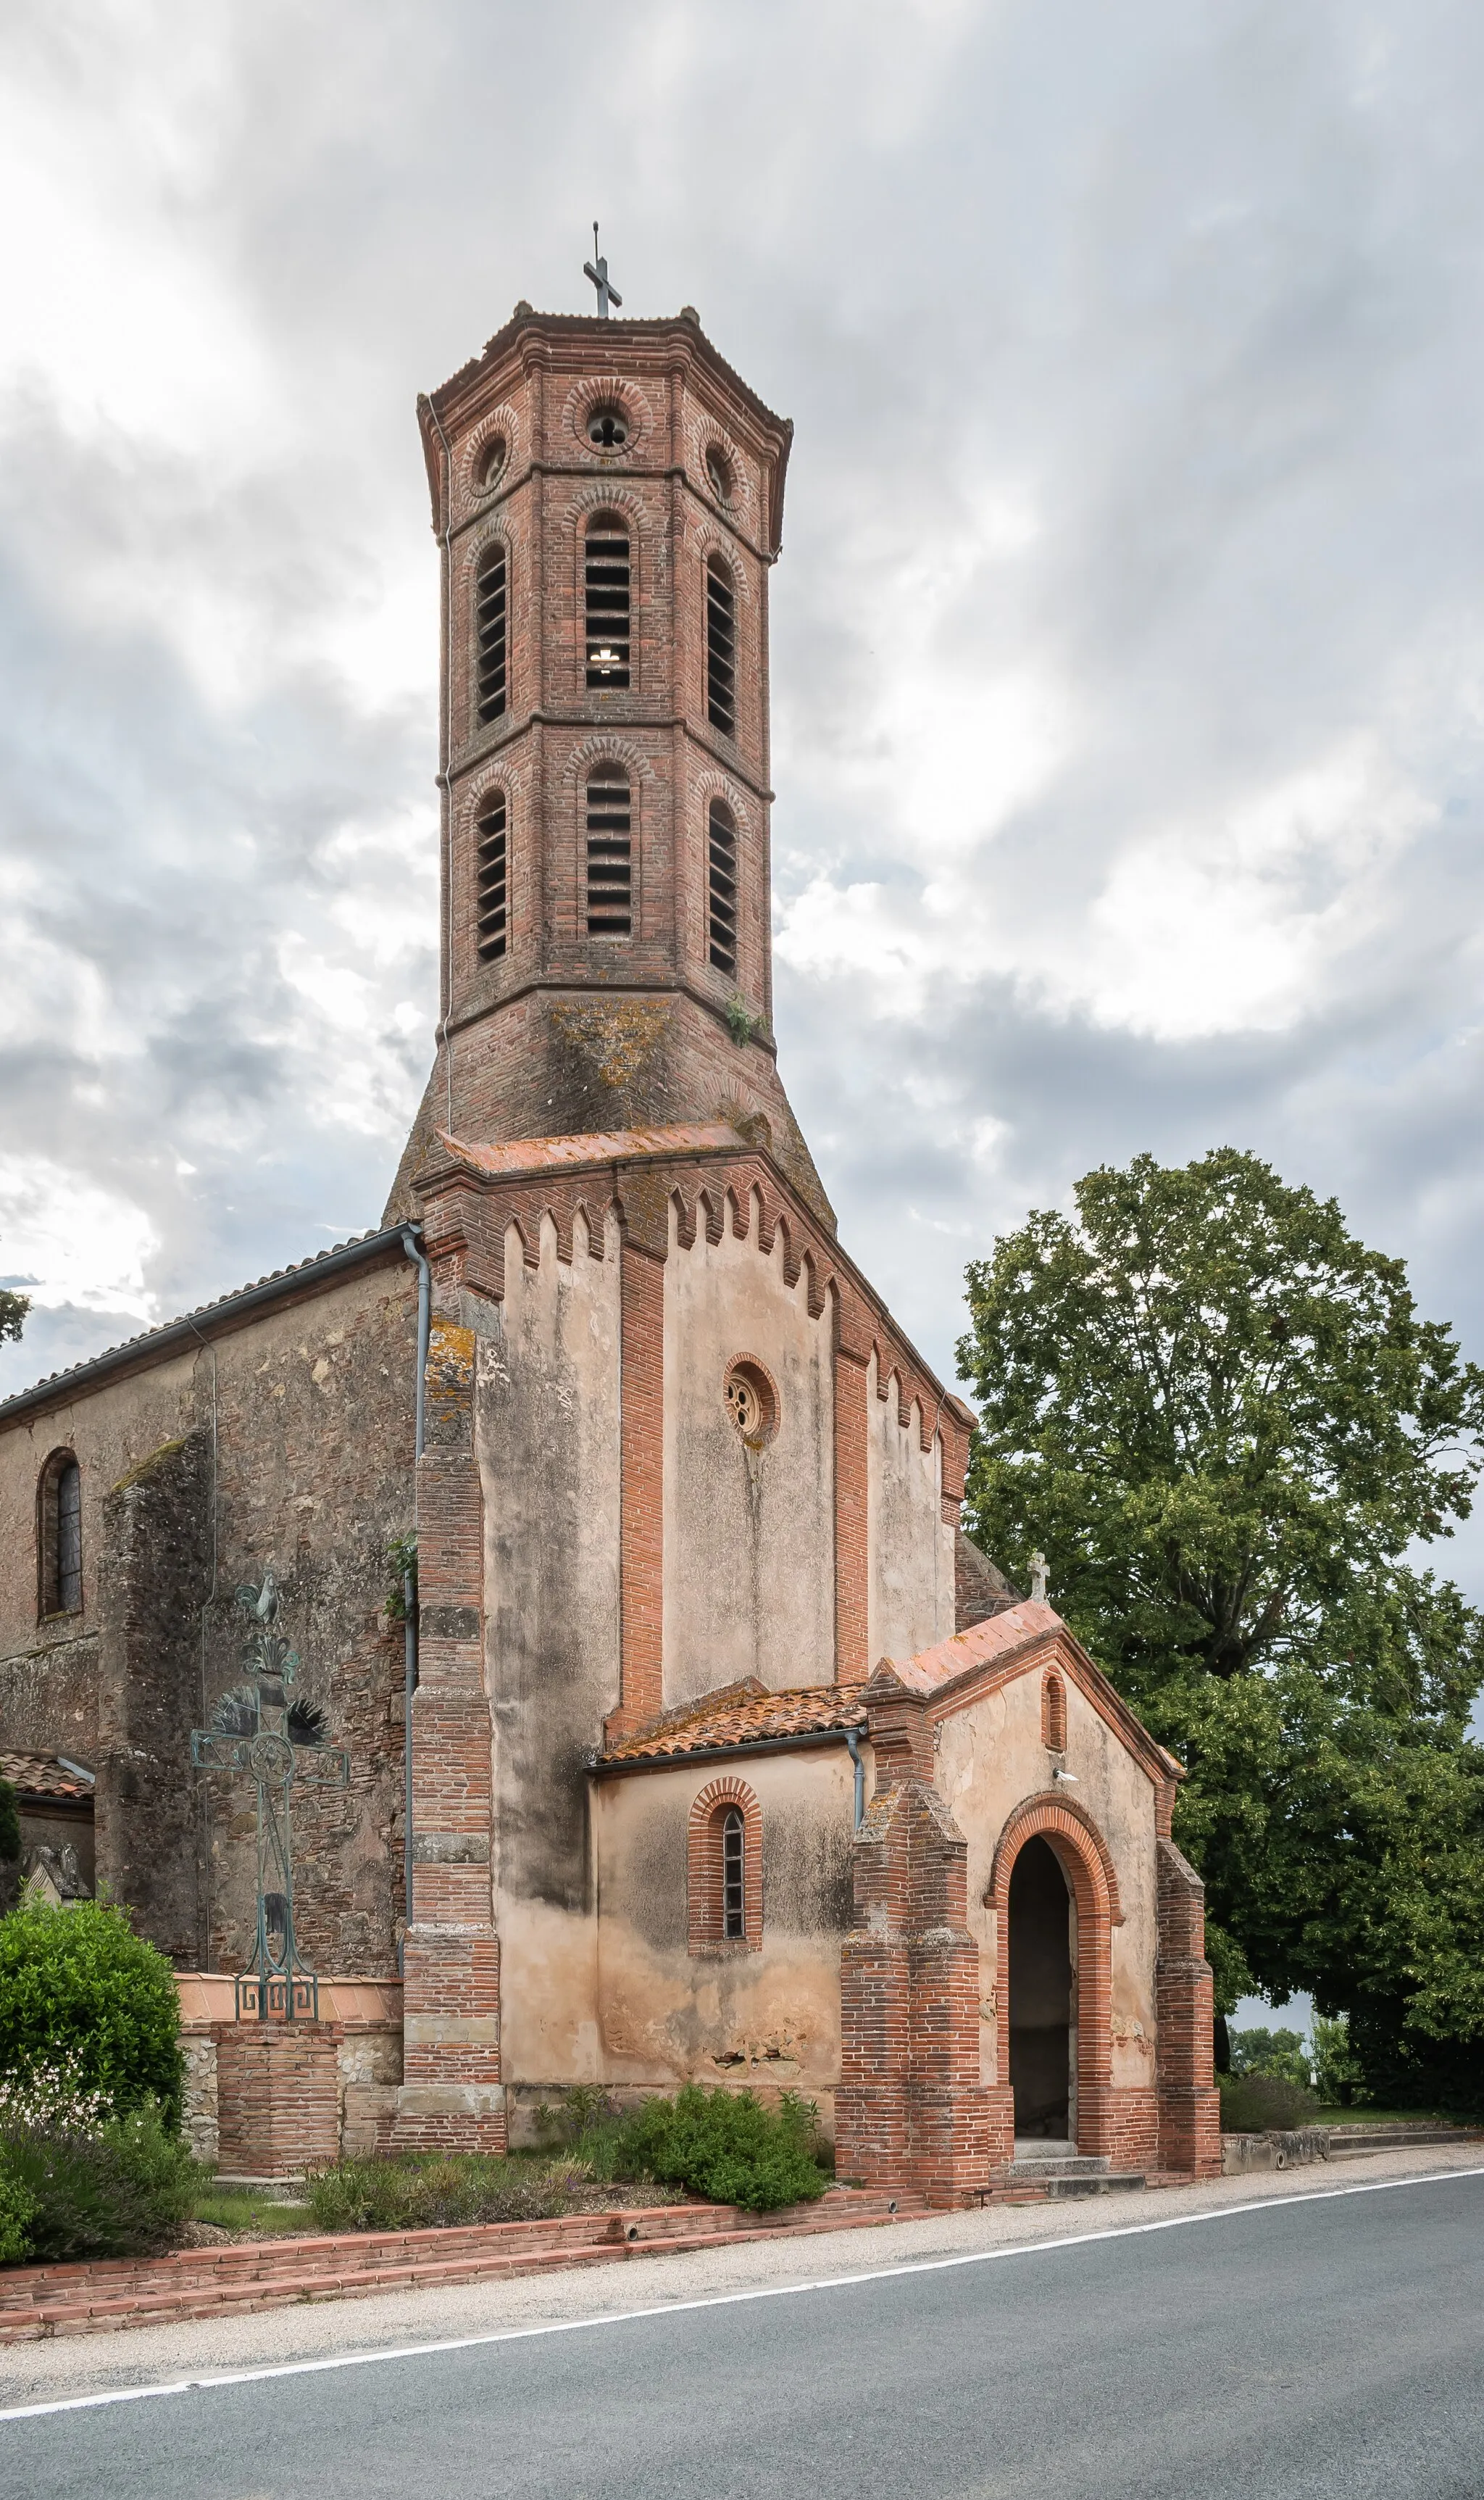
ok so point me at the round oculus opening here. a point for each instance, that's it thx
(608, 429)
(489, 461)
(719, 472)
(751, 1403)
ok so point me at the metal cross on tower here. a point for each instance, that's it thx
(597, 269)
(277, 1742)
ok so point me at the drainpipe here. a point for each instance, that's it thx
(853, 1745)
(410, 1245)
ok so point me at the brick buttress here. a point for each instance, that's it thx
(452, 2095)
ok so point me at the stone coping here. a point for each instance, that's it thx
(209, 1997)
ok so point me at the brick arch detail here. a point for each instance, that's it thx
(608, 495)
(504, 421)
(713, 784)
(605, 747)
(703, 1868)
(600, 390)
(709, 539)
(1085, 1861)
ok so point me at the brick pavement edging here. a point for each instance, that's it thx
(42, 2301)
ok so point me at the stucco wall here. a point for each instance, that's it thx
(989, 1758)
(911, 1593)
(548, 1444)
(769, 2018)
(749, 1535)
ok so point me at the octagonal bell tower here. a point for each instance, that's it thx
(608, 500)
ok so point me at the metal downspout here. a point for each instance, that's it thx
(852, 1746)
(411, 1246)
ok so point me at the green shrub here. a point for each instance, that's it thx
(1253, 2102)
(18, 2211)
(124, 2190)
(719, 2144)
(425, 2194)
(78, 1986)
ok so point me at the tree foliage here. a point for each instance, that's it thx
(1224, 1421)
(13, 1309)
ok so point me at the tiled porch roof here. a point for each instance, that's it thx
(741, 1714)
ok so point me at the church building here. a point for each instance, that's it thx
(705, 1745)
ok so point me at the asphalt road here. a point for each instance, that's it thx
(1322, 2346)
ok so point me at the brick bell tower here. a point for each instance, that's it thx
(608, 500)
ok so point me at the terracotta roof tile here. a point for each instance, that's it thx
(44, 1775)
(601, 1146)
(741, 1714)
(992, 1638)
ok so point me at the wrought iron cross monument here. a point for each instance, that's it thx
(278, 1743)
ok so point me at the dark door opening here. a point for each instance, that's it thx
(1040, 1994)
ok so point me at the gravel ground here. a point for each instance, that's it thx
(141, 2356)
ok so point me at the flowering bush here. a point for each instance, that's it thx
(124, 2187)
(55, 2097)
(82, 1997)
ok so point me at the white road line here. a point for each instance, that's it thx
(722, 2299)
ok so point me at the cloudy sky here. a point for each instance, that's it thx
(1128, 638)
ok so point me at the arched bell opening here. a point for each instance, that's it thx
(1043, 1996)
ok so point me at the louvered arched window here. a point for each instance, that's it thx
(491, 615)
(59, 1539)
(610, 852)
(493, 869)
(607, 588)
(721, 647)
(722, 888)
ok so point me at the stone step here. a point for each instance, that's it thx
(1072, 2165)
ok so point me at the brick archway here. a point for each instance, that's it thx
(1086, 1862)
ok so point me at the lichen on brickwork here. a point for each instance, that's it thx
(617, 1043)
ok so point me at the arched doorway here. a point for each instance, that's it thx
(1042, 2035)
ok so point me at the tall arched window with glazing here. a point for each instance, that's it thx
(59, 1535)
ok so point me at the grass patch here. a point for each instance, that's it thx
(432, 2191)
(235, 2209)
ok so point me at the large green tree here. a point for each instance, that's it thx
(13, 1312)
(1222, 1419)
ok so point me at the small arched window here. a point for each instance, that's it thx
(60, 1537)
(490, 632)
(607, 585)
(610, 849)
(734, 1873)
(1054, 1714)
(492, 866)
(723, 1869)
(721, 647)
(722, 888)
